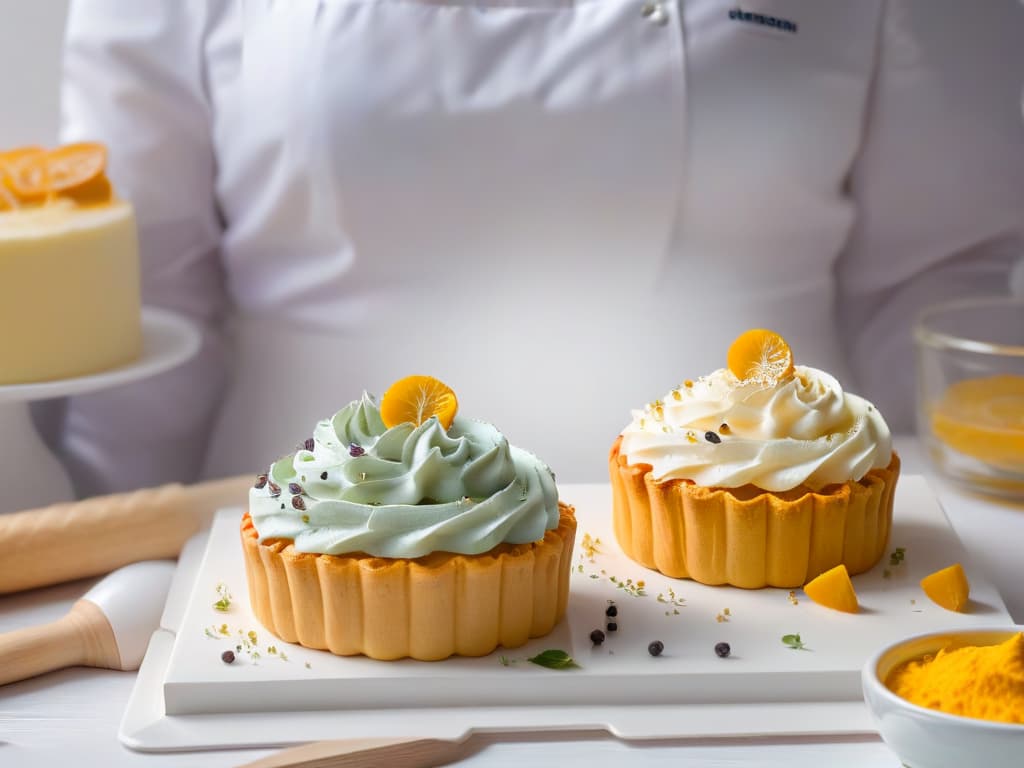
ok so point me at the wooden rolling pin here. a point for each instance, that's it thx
(76, 539)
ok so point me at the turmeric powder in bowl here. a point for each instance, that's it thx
(984, 682)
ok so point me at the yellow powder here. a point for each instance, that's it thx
(985, 682)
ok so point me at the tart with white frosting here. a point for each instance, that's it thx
(404, 529)
(760, 474)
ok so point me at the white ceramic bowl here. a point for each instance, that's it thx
(927, 738)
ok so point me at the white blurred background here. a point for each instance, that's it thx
(30, 41)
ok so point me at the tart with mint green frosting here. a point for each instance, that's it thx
(405, 529)
(763, 473)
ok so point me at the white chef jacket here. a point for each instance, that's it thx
(562, 208)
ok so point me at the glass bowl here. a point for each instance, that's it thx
(970, 399)
(928, 738)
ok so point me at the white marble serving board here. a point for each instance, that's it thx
(764, 687)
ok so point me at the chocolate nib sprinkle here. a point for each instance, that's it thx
(712, 437)
(294, 488)
(298, 503)
(275, 489)
(354, 449)
(261, 480)
(309, 444)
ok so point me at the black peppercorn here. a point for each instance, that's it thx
(722, 650)
(597, 637)
(611, 626)
(228, 657)
(611, 611)
(655, 648)
(323, 475)
(712, 437)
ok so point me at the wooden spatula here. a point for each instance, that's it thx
(407, 752)
(366, 753)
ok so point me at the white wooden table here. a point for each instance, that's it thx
(72, 716)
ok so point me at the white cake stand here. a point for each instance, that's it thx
(30, 476)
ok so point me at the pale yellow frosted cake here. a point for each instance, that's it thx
(69, 265)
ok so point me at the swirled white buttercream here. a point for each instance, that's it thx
(804, 430)
(405, 491)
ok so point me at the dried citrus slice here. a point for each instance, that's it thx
(760, 356)
(60, 170)
(415, 399)
(984, 418)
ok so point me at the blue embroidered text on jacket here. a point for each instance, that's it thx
(765, 21)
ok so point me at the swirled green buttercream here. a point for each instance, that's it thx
(405, 491)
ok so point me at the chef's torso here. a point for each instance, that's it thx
(560, 208)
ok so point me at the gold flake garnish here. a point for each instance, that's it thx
(224, 598)
(691, 438)
(591, 546)
(688, 384)
(677, 395)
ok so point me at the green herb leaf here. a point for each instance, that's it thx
(794, 642)
(554, 659)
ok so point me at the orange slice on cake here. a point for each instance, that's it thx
(9, 161)
(64, 170)
(415, 399)
(760, 356)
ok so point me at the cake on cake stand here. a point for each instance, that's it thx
(30, 475)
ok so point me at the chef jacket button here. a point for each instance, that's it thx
(655, 12)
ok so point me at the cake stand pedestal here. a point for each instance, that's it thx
(30, 476)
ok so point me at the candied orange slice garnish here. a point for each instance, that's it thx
(7, 199)
(984, 418)
(8, 161)
(415, 399)
(63, 169)
(760, 356)
(75, 165)
(12, 156)
(96, 191)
